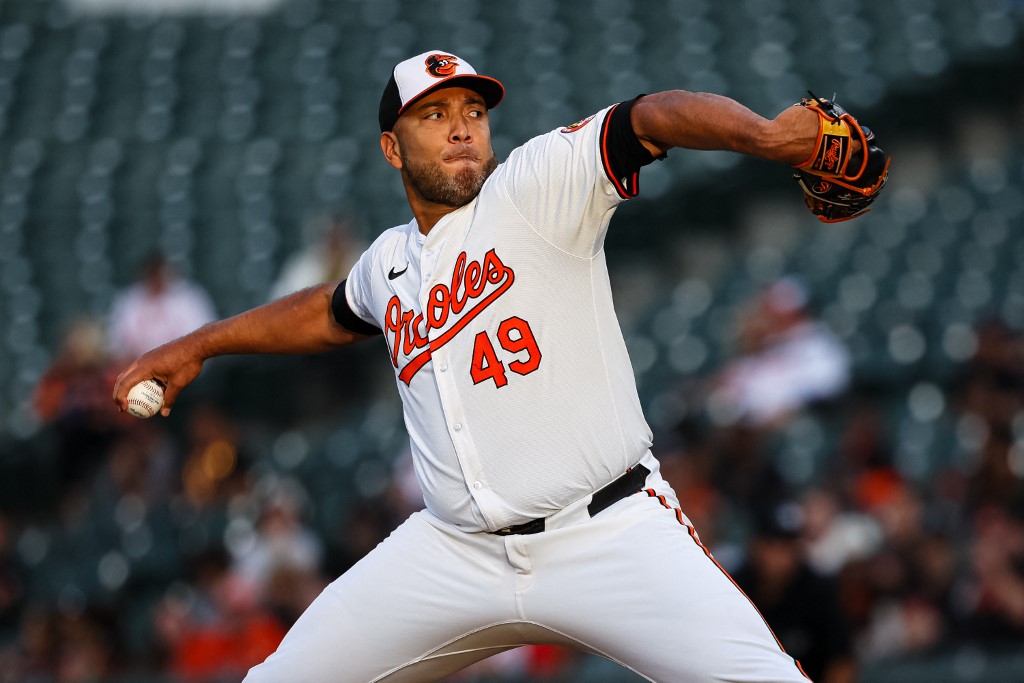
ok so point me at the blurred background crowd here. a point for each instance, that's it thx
(840, 407)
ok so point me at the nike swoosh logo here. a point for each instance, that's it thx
(392, 274)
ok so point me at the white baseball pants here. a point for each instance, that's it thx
(633, 584)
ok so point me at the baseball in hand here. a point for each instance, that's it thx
(146, 399)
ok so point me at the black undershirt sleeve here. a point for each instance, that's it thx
(622, 152)
(346, 317)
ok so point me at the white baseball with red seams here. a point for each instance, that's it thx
(145, 399)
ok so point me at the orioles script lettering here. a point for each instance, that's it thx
(475, 285)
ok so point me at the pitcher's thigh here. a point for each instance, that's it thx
(648, 596)
(405, 603)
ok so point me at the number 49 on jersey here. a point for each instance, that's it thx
(514, 336)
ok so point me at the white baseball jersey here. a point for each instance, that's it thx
(518, 393)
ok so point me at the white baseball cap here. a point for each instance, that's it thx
(424, 73)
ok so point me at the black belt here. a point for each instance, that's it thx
(626, 485)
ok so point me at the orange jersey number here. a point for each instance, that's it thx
(515, 336)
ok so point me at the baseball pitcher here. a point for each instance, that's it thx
(546, 518)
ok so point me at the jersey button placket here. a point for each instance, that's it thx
(461, 439)
(446, 382)
(471, 469)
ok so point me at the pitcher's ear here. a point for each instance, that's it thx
(391, 148)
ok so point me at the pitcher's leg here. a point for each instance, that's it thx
(415, 609)
(635, 584)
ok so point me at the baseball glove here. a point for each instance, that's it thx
(838, 183)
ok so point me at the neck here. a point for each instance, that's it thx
(427, 214)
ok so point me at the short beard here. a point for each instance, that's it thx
(437, 187)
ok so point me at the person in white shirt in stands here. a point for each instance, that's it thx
(330, 257)
(788, 360)
(160, 307)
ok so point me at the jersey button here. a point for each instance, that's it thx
(457, 426)
(477, 485)
(444, 368)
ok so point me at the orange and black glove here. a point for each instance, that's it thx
(838, 183)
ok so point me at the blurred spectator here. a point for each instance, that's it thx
(331, 257)
(992, 383)
(218, 631)
(800, 606)
(73, 397)
(989, 397)
(280, 541)
(160, 307)
(84, 652)
(787, 359)
(283, 560)
(996, 586)
(61, 647)
(835, 536)
(906, 583)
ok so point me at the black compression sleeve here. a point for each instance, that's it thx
(623, 153)
(346, 317)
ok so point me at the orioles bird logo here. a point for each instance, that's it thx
(579, 124)
(440, 66)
